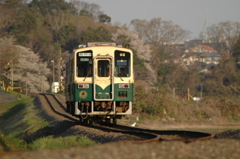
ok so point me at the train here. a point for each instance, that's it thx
(99, 83)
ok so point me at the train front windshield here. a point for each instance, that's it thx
(104, 68)
(122, 64)
(84, 64)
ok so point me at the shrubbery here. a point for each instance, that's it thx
(161, 104)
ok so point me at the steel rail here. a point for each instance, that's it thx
(56, 98)
(55, 110)
(149, 135)
(188, 136)
(142, 136)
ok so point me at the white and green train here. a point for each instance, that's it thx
(100, 82)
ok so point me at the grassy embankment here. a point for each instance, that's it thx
(22, 129)
(160, 105)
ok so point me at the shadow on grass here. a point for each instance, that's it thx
(12, 112)
(60, 128)
(57, 128)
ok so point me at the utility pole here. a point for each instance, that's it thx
(41, 90)
(53, 71)
(174, 93)
(26, 83)
(53, 87)
(60, 70)
(12, 76)
(201, 90)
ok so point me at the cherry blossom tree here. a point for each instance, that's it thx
(23, 66)
(143, 51)
(30, 71)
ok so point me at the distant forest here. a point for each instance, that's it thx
(33, 35)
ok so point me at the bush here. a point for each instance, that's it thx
(161, 104)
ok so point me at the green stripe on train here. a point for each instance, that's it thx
(120, 94)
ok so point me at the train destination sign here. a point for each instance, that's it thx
(84, 59)
(86, 54)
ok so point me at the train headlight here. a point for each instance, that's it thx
(83, 86)
(121, 85)
(122, 94)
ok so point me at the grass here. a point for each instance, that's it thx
(12, 144)
(22, 129)
(154, 105)
(52, 143)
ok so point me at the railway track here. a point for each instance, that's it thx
(143, 135)
(58, 107)
(167, 135)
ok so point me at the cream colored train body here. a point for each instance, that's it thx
(100, 82)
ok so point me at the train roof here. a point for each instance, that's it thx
(90, 44)
(94, 44)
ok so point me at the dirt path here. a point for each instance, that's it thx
(6, 98)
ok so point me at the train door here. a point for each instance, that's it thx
(103, 78)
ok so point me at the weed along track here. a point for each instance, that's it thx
(140, 135)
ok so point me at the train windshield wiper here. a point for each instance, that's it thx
(121, 78)
(86, 75)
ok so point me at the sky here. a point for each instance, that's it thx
(188, 14)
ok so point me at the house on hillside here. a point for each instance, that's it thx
(193, 54)
(174, 47)
(201, 53)
(208, 57)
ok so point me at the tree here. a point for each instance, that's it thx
(25, 64)
(5, 20)
(18, 1)
(20, 19)
(66, 32)
(91, 10)
(104, 18)
(8, 55)
(158, 31)
(30, 72)
(124, 36)
(236, 52)
(85, 13)
(225, 33)
(11, 3)
(101, 34)
(68, 37)
(50, 6)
